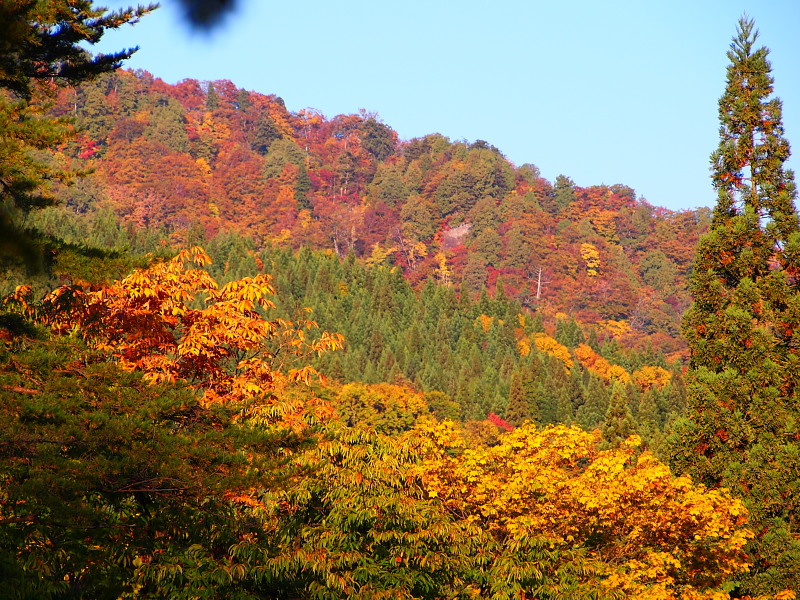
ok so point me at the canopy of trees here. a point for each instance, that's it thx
(478, 406)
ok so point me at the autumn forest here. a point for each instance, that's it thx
(250, 353)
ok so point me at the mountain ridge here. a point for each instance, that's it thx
(210, 157)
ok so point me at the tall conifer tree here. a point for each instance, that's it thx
(743, 418)
(518, 409)
(619, 424)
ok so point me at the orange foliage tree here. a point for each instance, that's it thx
(154, 321)
(550, 346)
(600, 366)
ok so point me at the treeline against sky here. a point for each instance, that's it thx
(448, 270)
(205, 157)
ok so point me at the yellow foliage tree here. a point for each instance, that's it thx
(591, 257)
(379, 255)
(385, 407)
(649, 377)
(604, 223)
(443, 273)
(654, 535)
(549, 345)
(615, 328)
(485, 322)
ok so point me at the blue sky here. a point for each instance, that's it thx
(603, 92)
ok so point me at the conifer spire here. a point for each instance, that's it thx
(743, 330)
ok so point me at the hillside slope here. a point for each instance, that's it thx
(197, 158)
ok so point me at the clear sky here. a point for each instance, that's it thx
(603, 92)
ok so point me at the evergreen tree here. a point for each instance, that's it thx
(564, 412)
(564, 193)
(518, 249)
(42, 43)
(473, 278)
(487, 246)
(265, 133)
(168, 125)
(568, 332)
(212, 98)
(547, 400)
(416, 216)
(517, 410)
(96, 117)
(302, 186)
(377, 139)
(574, 390)
(590, 415)
(618, 424)
(743, 330)
(648, 416)
(537, 326)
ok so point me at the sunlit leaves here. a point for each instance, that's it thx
(652, 531)
(591, 257)
(649, 377)
(388, 408)
(174, 323)
(550, 346)
(599, 365)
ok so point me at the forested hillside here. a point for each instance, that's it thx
(446, 268)
(154, 446)
(199, 158)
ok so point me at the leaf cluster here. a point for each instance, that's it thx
(647, 532)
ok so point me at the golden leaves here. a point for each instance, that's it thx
(617, 328)
(660, 536)
(485, 322)
(600, 366)
(591, 257)
(648, 377)
(547, 344)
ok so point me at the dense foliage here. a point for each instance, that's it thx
(41, 50)
(628, 511)
(134, 465)
(486, 356)
(505, 370)
(199, 158)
